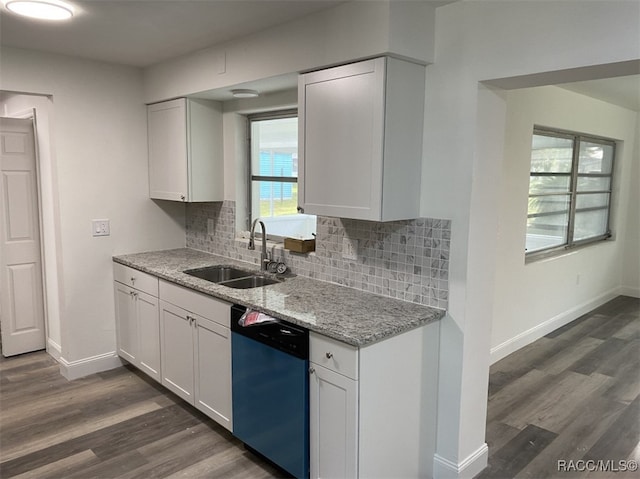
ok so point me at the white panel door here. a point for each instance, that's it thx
(213, 371)
(167, 132)
(333, 423)
(126, 323)
(148, 334)
(21, 287)
(341, 140)
(177, 361)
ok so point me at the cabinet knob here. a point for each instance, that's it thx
(133, 279)
(182, 197)
(300, 209)
(329, 355)
(312, 370)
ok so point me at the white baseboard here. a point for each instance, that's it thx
(629, 291)
(526, 337)
(466, 469)
(84, 367)
(54, 349)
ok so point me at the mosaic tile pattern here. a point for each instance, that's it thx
(407, 260)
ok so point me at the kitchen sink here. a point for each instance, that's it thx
(231, 277)
(250, 282)
(218, 273)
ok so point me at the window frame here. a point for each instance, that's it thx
(573, 193)
(250, 177)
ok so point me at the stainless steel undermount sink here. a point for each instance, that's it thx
(231, 277)
(218, 273)
(250, 282)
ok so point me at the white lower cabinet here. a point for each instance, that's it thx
(213, 371)
(373, 409)
(333, 413)
(196, 350)
(137, 321)
(178, 365)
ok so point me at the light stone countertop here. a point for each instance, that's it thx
(354, 317)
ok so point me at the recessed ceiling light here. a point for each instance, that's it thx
(243, 93)
(41, 9)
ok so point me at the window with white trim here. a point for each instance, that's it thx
(569, 191)
(273, 176)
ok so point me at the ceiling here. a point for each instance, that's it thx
(622, 91)
(144, 32)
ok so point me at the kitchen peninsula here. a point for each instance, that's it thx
(373, 362)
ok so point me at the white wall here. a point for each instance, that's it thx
(476, 41)
(98, 133)
(352, 30)
(533, 299)
(631, 262)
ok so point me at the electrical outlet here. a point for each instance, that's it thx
(210, 226)
(100, 227)
(349, 248)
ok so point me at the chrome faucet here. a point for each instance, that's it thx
(264, 257)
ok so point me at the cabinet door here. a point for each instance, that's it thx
(341, 140)
(126, 323)
(213, 371)
(149, 334)
(333, 415)
(177, 364)
(167, 133)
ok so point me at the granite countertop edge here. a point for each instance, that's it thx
(362, 319)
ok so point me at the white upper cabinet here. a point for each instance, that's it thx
(185, 150)
(360, 140)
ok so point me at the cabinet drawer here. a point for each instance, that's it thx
(194, 302)
(334, 355)
(136, 279)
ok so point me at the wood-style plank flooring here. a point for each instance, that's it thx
(116, 424)
(574, 394)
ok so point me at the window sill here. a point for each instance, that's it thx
(562, 251)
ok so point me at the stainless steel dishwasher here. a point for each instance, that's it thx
(270, 364)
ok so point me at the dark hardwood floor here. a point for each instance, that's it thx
(572, 395)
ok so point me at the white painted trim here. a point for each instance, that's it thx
(54, 349)
(526, 337)
(629, 291)
(468, 468)
(84, 367)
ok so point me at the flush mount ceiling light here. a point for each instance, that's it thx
(243, 93)
(41, 9)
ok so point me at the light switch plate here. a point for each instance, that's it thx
(100, 227)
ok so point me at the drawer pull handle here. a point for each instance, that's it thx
(133, 279)
(329, 355)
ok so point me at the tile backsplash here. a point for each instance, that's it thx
(408, 260)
